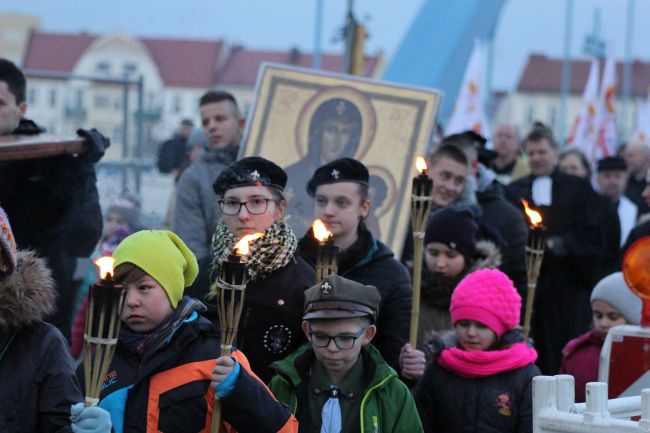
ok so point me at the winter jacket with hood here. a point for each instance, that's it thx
(36, 372)
(370, 262)
(168, 389)
(386, 405)
(197, 209)
(500, 403)
(437, 290)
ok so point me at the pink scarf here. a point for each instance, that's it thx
(473, 364)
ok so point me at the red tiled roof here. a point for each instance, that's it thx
(55, 51)
(243, 64)
(182, 63)
(544, 74)
(185, 63)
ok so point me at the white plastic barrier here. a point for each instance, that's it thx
(555, 410)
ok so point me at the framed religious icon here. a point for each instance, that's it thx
(302, 119)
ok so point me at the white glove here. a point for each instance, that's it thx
(92, 419)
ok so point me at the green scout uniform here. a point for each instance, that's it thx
(373, 399)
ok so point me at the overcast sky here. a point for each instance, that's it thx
(525, 25)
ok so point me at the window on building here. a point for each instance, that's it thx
(52, 97)
(101, 101)
(552, 116)
(129, 68)
(103, 68)
(79, 98)
(117, 104)
(530, 114)
(176, 104)
(31, 96)
(118, 133)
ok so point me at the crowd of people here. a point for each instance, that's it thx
(331, 355)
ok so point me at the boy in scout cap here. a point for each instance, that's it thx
(339, 381)
(342, 201)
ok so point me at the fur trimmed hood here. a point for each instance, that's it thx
(487, 256)
(27, 294)
(437, 289)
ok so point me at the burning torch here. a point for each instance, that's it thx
(420, 209)
(327, 254)
(102, 329)
(534, 256)
(232, 285)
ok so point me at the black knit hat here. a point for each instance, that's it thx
(612, 163)
(455, 228)
(339, 170)
(251, 171)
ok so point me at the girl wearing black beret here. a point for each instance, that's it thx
(251, 197)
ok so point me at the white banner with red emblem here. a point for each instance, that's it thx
(469, 110)
(583, 132)
(606, 135)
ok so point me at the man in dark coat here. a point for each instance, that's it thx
(562, 310)
(52, 202)
(495, 210)
(340, 190)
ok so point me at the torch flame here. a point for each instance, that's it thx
(420, 164)
(534, 217)
(320, 231)
(241, 247)
(105, 265)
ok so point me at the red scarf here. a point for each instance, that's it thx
(480, 363)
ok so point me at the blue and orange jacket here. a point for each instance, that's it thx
(171, 392)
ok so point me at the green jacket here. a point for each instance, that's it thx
(386, 406)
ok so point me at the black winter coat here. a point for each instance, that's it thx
(37, 380)
(169, 391)
(53, 206)
(501, 403)
(510, 223)
(270, 327)
(562, 309)
(370, 262)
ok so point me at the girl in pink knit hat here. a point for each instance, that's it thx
(480, 376)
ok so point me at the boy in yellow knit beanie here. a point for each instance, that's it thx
(167, 353)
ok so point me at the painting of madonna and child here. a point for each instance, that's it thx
(302, 119)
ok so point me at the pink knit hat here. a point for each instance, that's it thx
(7, 241)
(487, 296)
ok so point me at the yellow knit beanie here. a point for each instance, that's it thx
(162, 255)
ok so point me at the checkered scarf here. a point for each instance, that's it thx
(271, 252)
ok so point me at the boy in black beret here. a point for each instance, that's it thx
(341, 201)
(338, 381)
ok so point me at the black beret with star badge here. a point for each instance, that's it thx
(339, 170)
(250, 171)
